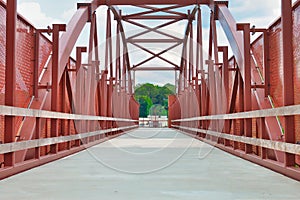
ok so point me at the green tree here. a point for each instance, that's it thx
(157, 95)
(145, 105)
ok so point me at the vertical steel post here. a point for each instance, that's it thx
(117, 107)
(118, 58)
(36, 64)
(215, 40)
(211, 94)
(185, 67)
(199, 60)
(191, 56)
(37, 136)
(108, 37)
(79, 89)
(55, 81)
(96, 48)
(10, 77)
(266, 62)
(245, 27)
(264, 135)
(79, 51)
(124, 77)
(190, 88)
(63, 122)
(225, 88)
(288, 76)
(216, 82)
(109, 101)
(225, 72)
(199, 42)
(210, 39)
(91, 77)
(241, 107)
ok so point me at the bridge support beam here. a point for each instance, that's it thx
(225, 88)
(55, 80)
(247, 81)
(10, 78)
(288, 77)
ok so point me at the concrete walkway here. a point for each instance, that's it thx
(150, 164)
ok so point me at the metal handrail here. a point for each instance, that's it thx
(25, 112)
(273, 112)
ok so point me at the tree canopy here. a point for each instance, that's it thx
(153, 99)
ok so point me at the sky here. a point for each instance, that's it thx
(42, 13)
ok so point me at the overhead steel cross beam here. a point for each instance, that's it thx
(150, 2)
(165, 10)
(175, 16)
(168, 10)
(156, 55)
(156, 69)
(155, 29)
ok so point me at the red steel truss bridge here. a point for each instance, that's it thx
(54, 104)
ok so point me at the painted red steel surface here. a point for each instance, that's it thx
(274, 127)
(70, 89)
(198, 92)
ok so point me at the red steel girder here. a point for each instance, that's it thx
(235, 39)
(166, 9)
(187, 32)
(10, 77)
(154, 41)
(150, 2)
(96, 47)
(288, 71)
(266, 60)
(155, 17)
(117, 14)
(225, 88)
(191, 56)
(199, 63)
(151, 29)
(118, 52)
(156, 55)
(199, 55)
(108, 45)
(155, 28)
(69, 38)
(247, 80)
(79, 51)
(155, 69)
(225, 67)
(55, 80)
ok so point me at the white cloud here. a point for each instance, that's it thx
(68, 14)
(32, 11)
(256, 12)
(158, 78)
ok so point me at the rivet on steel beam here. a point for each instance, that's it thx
(45, 87)
(253, 30)
(48, 30)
